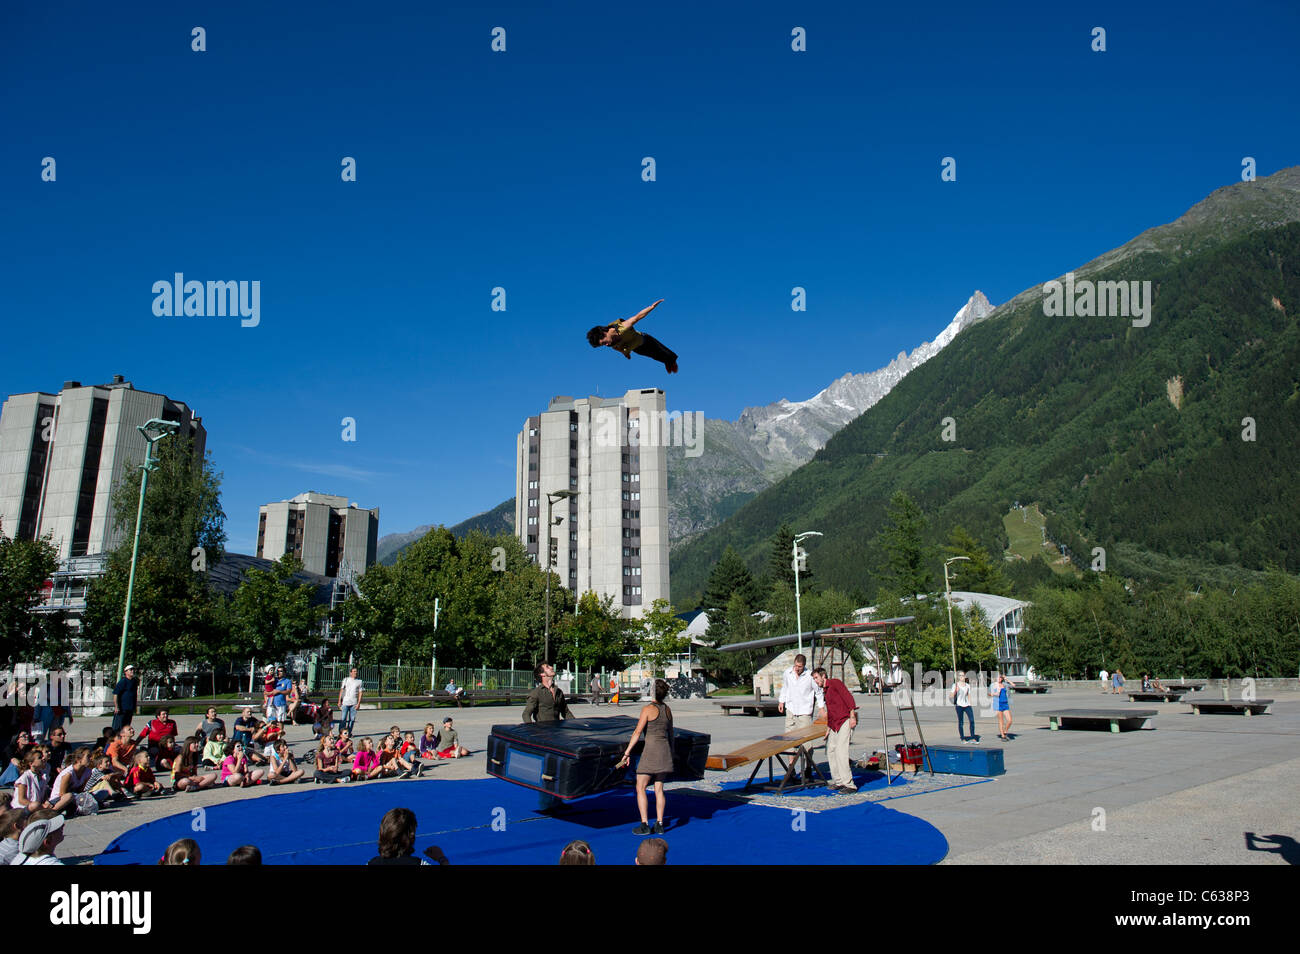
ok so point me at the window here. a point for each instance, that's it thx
(627, 551)
(625, 496)
(532, 485)
(636, 495)
(626, 477)
(573, 425)
(532, 521)
(532, 432)
(636, 551)
(573, 483)
(627, 571)
(636, 571)
(532, 501)
(573, 538)
(532, 538)
(636, 591)
(636, 478)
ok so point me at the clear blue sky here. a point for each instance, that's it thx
(523, 170)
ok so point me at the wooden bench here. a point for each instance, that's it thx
(1087, 718)
(1031, 687)
(1229, 706)
(757, 707)
(799, 771)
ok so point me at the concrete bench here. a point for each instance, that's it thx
(1089, 718)
(1155, 695)
(1229, 706)
(757, 707)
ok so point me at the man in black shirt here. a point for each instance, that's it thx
(546, 702)
(124, 698)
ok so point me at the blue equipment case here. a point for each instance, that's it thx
(966, 760)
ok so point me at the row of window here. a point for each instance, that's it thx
(631, 571)
(631, 478)
(631, 591)
(631, 514)
(632, 495)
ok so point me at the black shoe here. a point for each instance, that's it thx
(641, 829)
(657, 829)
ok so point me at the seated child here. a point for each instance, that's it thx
(366, 763)
(215, 750)
(140, 780)
(284, 771)
(449, 746)
(330, 768)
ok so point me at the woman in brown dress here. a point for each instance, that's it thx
(656, 763)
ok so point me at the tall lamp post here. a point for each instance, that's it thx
(797, 562)
(153, 430)
(948, 597)
(550, 561)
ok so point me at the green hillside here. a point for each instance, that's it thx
(1129, 437)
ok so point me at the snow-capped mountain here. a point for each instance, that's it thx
(766, 443)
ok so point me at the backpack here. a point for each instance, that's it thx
(86, 803)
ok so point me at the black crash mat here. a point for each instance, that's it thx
(577, 757)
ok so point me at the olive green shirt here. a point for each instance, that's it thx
(543, 706)
(628, 339)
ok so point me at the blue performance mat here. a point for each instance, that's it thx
(490, 822)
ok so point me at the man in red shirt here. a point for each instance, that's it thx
(841, 720)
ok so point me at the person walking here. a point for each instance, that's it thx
(656, 762)
(961, 699)
(350, 692)
(800, 694)
(125, 696)
(1000, 691)
(1117, 682)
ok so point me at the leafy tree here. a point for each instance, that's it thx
(25, 635)
(904, 541)
(729, 577)
(174, 614)
(596, 637)
(980, 573)
(272, 616)
(663, 637)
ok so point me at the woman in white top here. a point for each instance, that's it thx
(961, 699)
(71, 782)
(32, 787)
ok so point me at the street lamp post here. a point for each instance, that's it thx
(948, 597)
(798, 612)
(550, 500)
(153, 430)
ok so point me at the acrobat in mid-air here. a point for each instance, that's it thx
(621, 336)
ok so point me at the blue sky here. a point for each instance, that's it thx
(522, 169)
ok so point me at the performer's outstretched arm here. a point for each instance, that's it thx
(629, 322)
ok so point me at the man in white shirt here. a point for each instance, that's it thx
(350, 692)
(799, 696)
(1105, 680)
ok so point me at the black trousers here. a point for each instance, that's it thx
(654, 349)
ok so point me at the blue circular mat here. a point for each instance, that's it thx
(487, 821)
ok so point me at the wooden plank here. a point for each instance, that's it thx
(767, 748)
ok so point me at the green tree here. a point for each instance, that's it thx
(904, 540)
(662, 639)
(596, 637)
(174, 614)
(780, 565)
(25, 635)
(272, 616)
(729, 577)
(980, 573)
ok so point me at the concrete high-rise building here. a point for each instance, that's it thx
(612, 537)
(325, 532)
(62, 455)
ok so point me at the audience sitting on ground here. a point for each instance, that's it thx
(394, 733)
(59, 749)
(182, 852)
(42, 834)
(15, 756)
(245, 726)
(186, 774)
(140, 780)
(270, 736)
(577, 852)
(392, 763)
(158, 729)
(652, 851)
(214, 749)
(344, 744)
(284, 770)
(245, 855)
(410, 750)
(71, 782)
(104, 784)
(12, 822)
(365, 765)
(235, 770)
(330, 766)
(449, 746)
(429, 742)
(122, 751)
(32, 788)
(209, 724)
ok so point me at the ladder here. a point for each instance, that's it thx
(885, 646)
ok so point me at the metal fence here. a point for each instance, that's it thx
(401, 680)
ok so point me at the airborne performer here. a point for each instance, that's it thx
(620, 336)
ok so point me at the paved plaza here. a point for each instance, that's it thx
(1187, 792)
